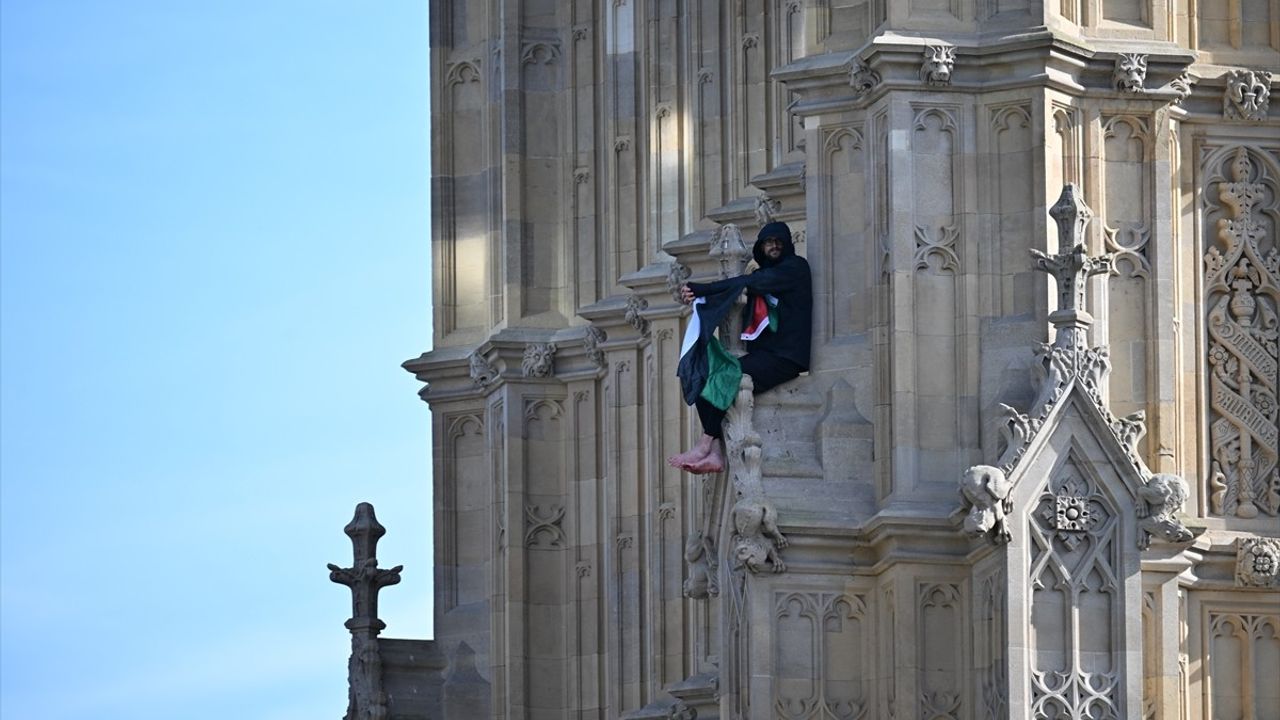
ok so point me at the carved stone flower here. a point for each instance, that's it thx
(1257, 562)
(1264, 402)
(1072, 513)
(1218, 354)
(1264, 563)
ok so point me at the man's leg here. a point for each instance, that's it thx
(712, 418)
(767, 371)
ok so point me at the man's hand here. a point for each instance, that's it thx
(686, 295)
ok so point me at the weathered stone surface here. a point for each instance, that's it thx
(1116, 423)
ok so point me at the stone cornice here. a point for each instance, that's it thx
(893, 61)
(458, 373)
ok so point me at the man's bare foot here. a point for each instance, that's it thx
(712, 463)
(705, 445)
(689, 457)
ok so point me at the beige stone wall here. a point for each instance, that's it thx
(589, 155)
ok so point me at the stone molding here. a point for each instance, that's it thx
(825, 83)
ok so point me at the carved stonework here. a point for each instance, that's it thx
(1182, 85)
(1247, 96)
(1073, 566)
(366, 698)
(1068, 360)
(1072, 514)
(995, 678)
(756, 538)
(538, 52)
(1160, 501)
(591, 343)
(829, 623)
(364, 577)
(539, 360)
(937, 252)
(681, 711)
(542, 530)
(1242, 291)
(1258, 562)
(635, 306)
(766, 209)
(1242, 640)
(677, 276)
(700, 581)
(939, 62)
(938, 650)
(465, 71)
(729, 248)
(482, 373)
(985, 491)
(1130, 73)
(862, 78)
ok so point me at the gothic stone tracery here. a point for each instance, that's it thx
(1242, 291)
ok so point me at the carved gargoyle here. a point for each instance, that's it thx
(939, 61)
(700, 582)
(538, 360)
(1159, 502)
(1131, 72)
(756, 538)
(985, 490)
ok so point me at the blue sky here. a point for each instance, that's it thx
(214, 254)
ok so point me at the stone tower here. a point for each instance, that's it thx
(1033, 471)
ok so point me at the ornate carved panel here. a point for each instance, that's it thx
(940, 653)
(465, 246)
(820, 663)
(1241, 295)
(935, 153)
(1012, 205)
(1126, 215)
(992, 646)
(1242, 663)
(466, 492)
(845, 224)
(540, 231)
(1077, 603)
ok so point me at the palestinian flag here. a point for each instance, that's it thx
(706, 369)
(764, 314)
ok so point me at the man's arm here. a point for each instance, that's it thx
(779, 278)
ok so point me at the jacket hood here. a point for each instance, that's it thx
(777, 230)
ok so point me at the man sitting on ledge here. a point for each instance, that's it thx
(777, 327)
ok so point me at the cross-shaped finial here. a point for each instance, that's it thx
(364, 577)
(1071, 268)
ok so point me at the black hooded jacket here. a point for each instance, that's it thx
(788, 280)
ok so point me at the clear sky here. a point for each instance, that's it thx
(214, 255)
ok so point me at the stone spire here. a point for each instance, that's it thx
(1071, 269)
(366, 699)
(364, 577)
